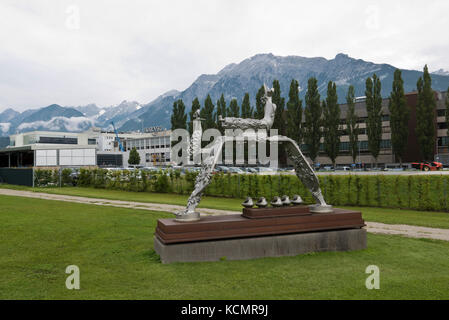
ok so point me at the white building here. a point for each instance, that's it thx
(153, 148)
(90, 148)
(49, 149)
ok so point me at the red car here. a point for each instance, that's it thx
(428, 166)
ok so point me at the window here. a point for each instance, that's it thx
(441, 113)
(385, 144)
(58, 140)
(442, 125)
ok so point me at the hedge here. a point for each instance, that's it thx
(420, 192)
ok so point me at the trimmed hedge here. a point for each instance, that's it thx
(420, 192)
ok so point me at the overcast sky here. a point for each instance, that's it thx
(79, 52)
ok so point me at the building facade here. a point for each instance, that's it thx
(386, 155)
(154, 150)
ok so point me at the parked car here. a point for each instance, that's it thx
(222, 169)
(236, 170)
(428, 166)
(344, 168)
(265, 170)
(250, 170)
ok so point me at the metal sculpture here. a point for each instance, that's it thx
(302, 168)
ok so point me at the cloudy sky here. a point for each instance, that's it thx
(78, 52)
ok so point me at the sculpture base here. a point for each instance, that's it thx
(237, 226)
(187, 217)
(316, 208)
(261, 247)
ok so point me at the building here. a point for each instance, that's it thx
(49, 149)
(153, 148)
(93, 147)
(386, 155)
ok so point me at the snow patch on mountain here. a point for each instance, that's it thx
(441, 72)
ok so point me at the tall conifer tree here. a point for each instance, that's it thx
(331, 119)
(425, 114)
(233, 109)
(247, 110)
(374, 111)
(260, 104)
(294, 113)
(313, 121)
(179, 117)
(221, 111)
(352, 127)
(195, 106)
(399, 116)
(447, 114)
(207, 113)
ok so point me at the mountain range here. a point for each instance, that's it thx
(233, 81)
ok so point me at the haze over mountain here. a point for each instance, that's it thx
(233, 81)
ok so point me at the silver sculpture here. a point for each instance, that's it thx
(248, 203)
(296, 200)
(285, 200)
(262, 203)
(276, 202)
(302, 167)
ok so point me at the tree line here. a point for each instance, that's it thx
(318, 126)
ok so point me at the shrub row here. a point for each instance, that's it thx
(420, 192)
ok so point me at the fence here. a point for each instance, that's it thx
(18, 176)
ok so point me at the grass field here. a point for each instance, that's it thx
(113, 247)
(384, 215)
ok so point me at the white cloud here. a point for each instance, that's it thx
(4, 127)
(136, 50)
(59, 123)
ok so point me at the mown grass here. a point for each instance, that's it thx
(113, 247)
(384, 215)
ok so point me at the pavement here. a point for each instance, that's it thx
(372, 227)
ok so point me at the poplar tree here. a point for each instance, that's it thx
(278, 122)
(207, 113)
(247, 110)
(352, 127)
(179, 117)
(447, 114)
(233, 110)
(399, 116)
(195, 106)
(425, 114)
(313, 121)
(331, 120)
(374, 111)
(221, 111)
(294, 113)
(259, 113)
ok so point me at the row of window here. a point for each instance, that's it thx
(385, 117)
(345, 146)
(148, 147)
(157, 157)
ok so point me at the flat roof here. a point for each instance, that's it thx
(41, 146)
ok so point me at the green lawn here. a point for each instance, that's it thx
(113, 247)
(384, 215)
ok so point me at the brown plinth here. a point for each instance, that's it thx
(169, 231)
(260, 213)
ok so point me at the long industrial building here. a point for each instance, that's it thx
(386, 155)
